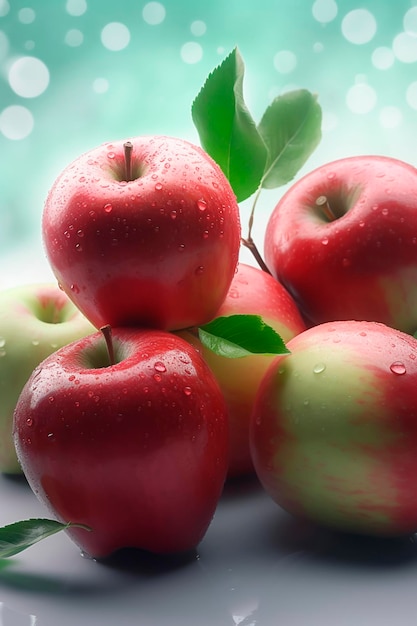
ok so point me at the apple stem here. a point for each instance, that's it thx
(323, 204)
(248, 242)
(107, 333)
(128, 148)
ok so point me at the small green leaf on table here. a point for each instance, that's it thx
(226, 128)
(18, 536)
(236, 336)
(291, 130)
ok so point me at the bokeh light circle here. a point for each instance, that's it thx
(285, 61)
(198, 28)
(153, 13)
(411, 95)
(410, 21)
(115, 36)
(4, 8)
(100, 85)
(405, 47)
(359, 26)
(26, 15)
(74, 37)
(16, 122)
(383, 58)
(28, 77)
(361, 98)
(76, 7)
(390, 117)
(191, 52)
(324, 11)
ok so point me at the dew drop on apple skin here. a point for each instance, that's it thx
(319, 368)
(398, 368)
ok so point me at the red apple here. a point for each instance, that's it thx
(136, 450)
(252, 292)
(143, 233)
(343, 240)
(334, 430)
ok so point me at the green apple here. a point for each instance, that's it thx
(252, 292)
(35, 320)
(334, 430)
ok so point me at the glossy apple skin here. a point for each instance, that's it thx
(137, 450)
(159, 250)
(35, 320)
(334, 430)
(362, 265)
(252, 292)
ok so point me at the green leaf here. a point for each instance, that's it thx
(291, 129)
(16, 537)
(236, 336)
(227, 130)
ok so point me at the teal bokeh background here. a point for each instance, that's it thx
(76, 73)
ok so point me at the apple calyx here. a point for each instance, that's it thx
(107, 334)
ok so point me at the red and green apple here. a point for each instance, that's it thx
(333, 434)
(252, 292)
(35, 320)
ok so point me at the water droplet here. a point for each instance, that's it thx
(306, 402)
(108, 208)
(51, 399)
(35, 342)
(385, 211)
(181, 247)
(325, 241)
(111, 155)
(173, 214)
(29, 421)
(205, 234)
(2, 342)
(74, 288)
(319, 368)
(80, 233)
(157, 377)
(398, 368)
(2, 352)
(158, 186)
(202, 205)
(160, 367)
(78, 247)
(199, 270)
(187, 391)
